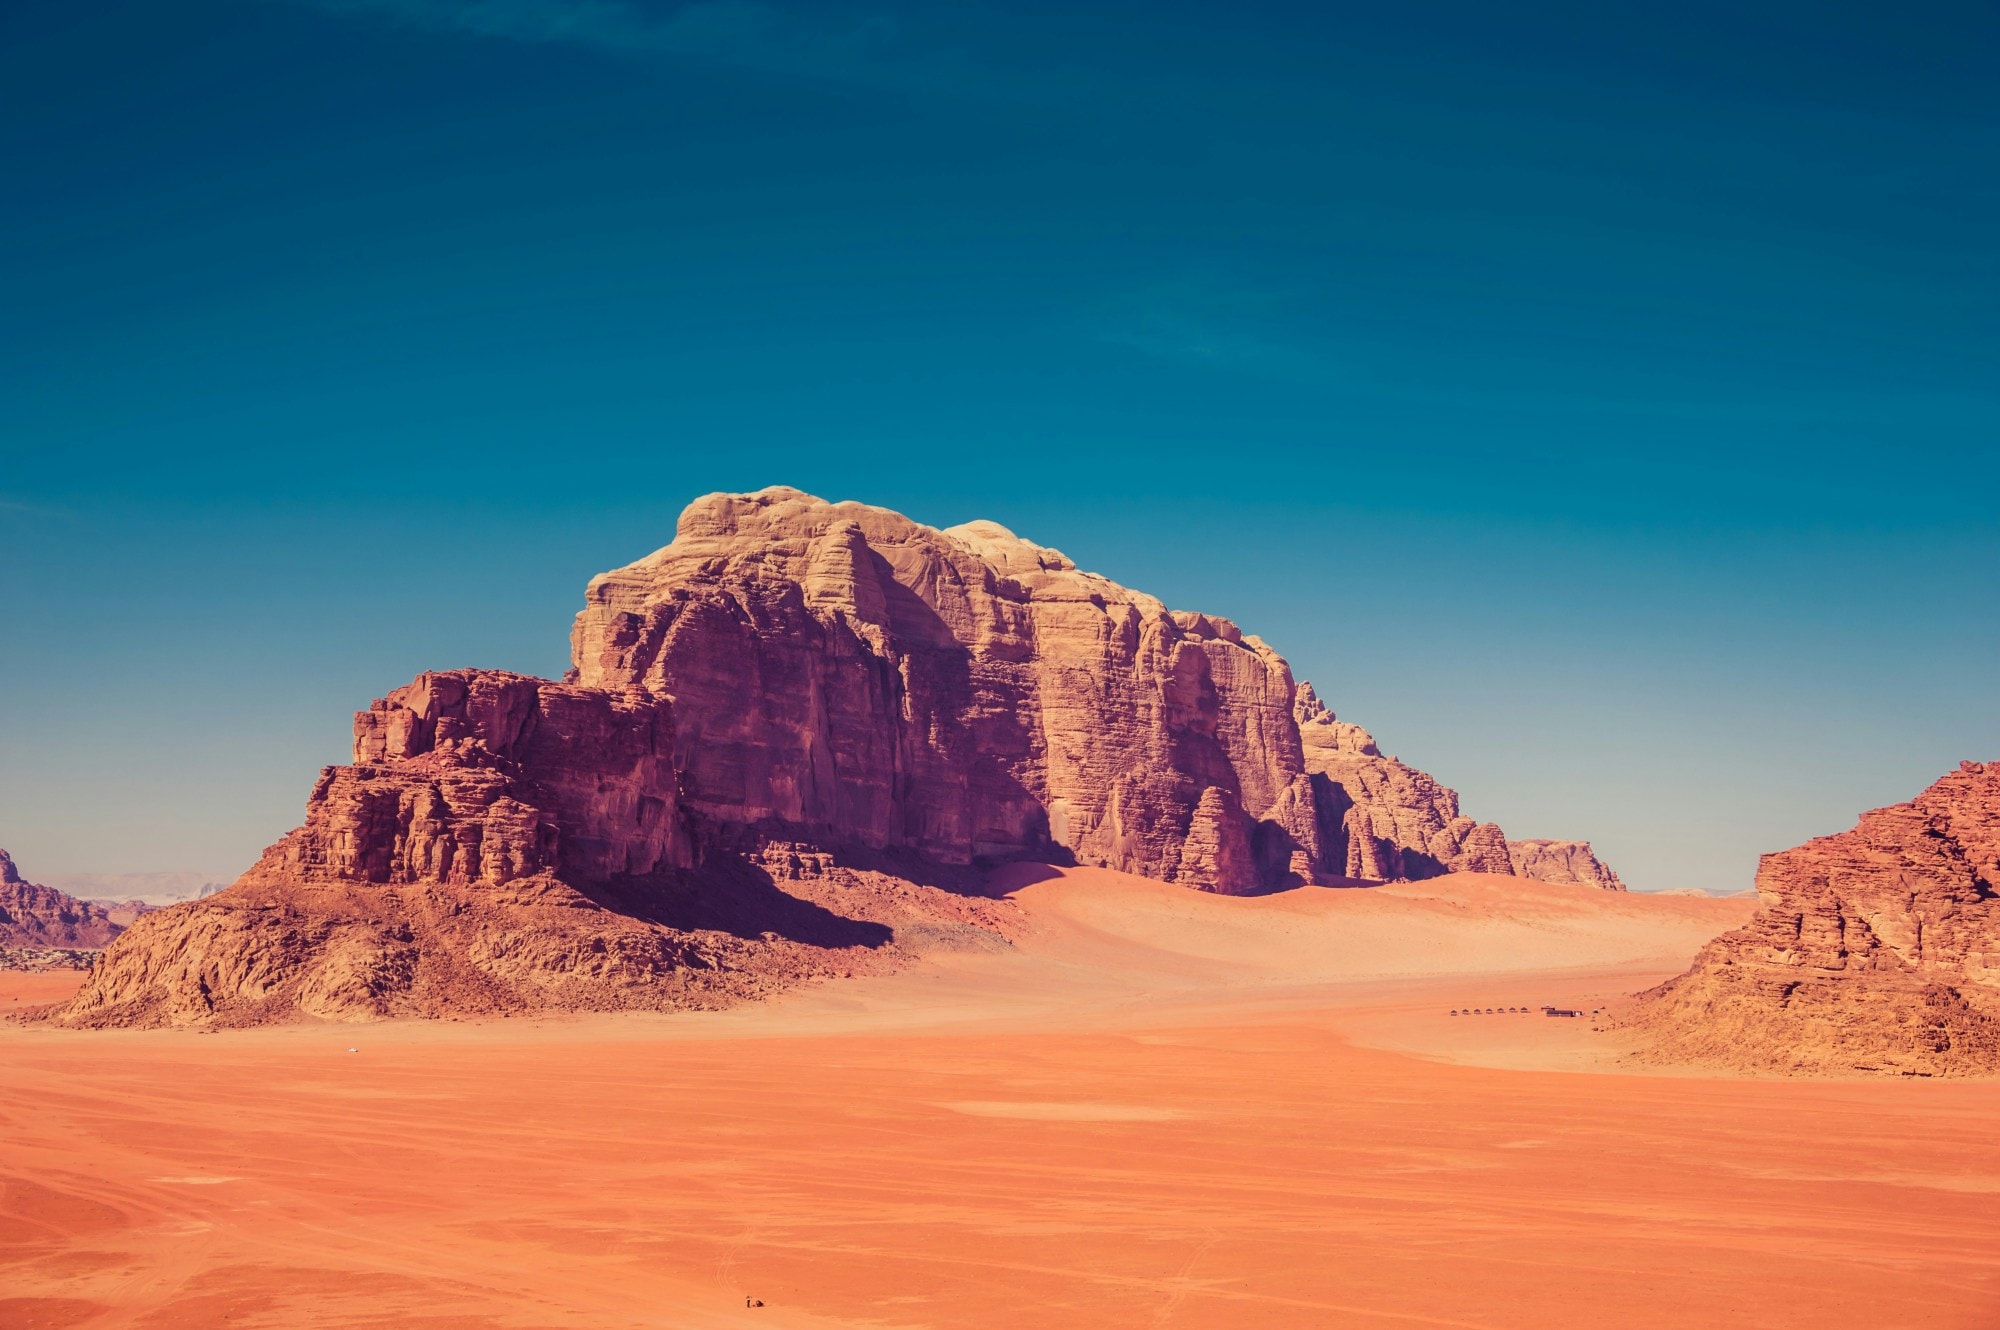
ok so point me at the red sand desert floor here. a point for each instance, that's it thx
(1112, 1124)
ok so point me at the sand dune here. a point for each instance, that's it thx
(1463, 923)
(1153, 1108)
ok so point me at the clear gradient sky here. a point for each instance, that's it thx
(1599, 402)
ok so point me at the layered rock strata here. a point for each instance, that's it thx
(841, 672)
(1382, 819)
(788, 742)
(503, 844)
(1874, 950)
(479, 776)
(32, 915)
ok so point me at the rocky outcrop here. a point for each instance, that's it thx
(1875, 950)
(501, 845)
(789, 742)
(1562, 861)
(841, 673)
(478, 776)
(32, 915)
(1382, 819)
(277, 948)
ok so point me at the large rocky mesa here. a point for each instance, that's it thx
(839, 671)
(788, 742)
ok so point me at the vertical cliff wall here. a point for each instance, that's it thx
(842, 672)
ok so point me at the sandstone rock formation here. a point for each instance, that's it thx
(1562, 861)
(36, 916)
(839, 671)
(788, 742)
(1874, 950)
(1383, 819)
(501, 844)
(479, 776)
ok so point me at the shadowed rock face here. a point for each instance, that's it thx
(32, 915)
(476, 776)
(1875, 950)
(841, 671)
(1385, 820)
(504, 844)
(787, 739)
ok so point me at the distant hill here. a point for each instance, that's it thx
(152, 888)
(33, 914)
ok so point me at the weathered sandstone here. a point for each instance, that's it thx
(32, 915)
(1874, 950)
(1562, 861)
(789, 743)
(477, 776)
(501, 844)
(841, 672)
(1383, 819)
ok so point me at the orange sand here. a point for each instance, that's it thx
(25, 988)
(1155, 1109)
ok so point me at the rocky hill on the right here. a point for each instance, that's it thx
(1873, 951)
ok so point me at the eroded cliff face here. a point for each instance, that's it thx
(1382, 819)
(789, 741)
(32, 915)
(1874, 950)
(503, 844)
(473, 776)
(841, 672)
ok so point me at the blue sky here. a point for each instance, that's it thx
(1598, 402)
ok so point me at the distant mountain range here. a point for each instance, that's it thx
(152, 888)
